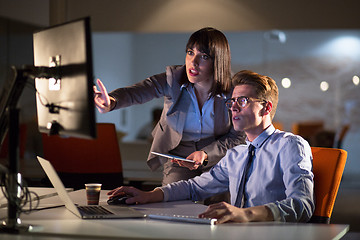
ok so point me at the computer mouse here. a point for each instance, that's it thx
(117, 200)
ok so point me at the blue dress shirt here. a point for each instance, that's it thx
(280, 177)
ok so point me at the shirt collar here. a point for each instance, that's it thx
(262, 137)
(190, 87)
(184, 85)
(221, 95)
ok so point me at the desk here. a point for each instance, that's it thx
(58, 223)
(41, 194)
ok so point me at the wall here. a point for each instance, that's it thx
(187, 15)
(16, 50)
(302, 58)
(112, 56)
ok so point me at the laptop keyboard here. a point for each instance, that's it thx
(94, 210)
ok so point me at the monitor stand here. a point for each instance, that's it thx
(13, 178)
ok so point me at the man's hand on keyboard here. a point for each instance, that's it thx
(225, 212)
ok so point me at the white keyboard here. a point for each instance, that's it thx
(181, 218)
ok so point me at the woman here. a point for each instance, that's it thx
(194, 123)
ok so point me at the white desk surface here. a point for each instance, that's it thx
(40, 191)
(58, 223)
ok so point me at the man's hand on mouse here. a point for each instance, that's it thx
(136, 196)
(117, 200)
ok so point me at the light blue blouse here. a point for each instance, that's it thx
(199, 123)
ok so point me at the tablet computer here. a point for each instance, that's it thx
(173, 157)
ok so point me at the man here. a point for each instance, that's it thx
(272, 182)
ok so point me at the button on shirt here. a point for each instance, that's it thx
(280, 177)
(199, 123)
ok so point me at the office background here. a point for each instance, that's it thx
(308, 42)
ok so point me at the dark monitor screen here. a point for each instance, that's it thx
(65, 104)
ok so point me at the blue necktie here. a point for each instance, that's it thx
(244, 178)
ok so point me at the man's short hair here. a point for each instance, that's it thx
(265, 87)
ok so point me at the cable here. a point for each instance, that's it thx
(22, 197)
(53, 108)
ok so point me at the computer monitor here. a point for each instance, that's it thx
(65, 103)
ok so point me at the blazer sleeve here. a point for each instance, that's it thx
(142, 92)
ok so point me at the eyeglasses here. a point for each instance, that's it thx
(241, 101)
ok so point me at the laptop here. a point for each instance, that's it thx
(89, 211)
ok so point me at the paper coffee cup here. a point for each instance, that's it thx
(93, 193)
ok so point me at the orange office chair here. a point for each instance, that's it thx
(328, 168)
(80, 161)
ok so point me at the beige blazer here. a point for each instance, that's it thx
(168, 132)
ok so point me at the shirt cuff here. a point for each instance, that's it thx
(275, 211)
(166, 194)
